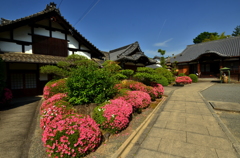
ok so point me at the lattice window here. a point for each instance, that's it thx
(30, 81)
(16, 81)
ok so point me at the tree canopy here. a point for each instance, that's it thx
(237, 31)
(204, 35)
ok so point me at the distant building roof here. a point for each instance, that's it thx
(228, 47)
(130, 52)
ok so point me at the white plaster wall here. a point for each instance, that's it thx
(10, 47)
(73, 43)
(69, 52)
(84, 48)
(5, 35)
(57, 34)
(41, 31)
(56, 25)
(83, 54)
(28, 49)
(21, 34)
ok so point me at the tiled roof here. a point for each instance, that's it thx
(31, 58)
(125, 53)
(229, 47)
(51, 8)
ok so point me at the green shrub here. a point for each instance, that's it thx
(193, 77)
(166, 73)
(127, 72)
(182, 74)
(146, 70)
(90, 85)
(111, 66)
(120, 76)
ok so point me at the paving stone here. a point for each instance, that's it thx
(226, 154)
(151, 143)
(160, 124)
(201, 122)
(184, 149)
(167, 134)
(173, 119)
(143, 153)
(209, 141)
(216, 131)
(187, 127)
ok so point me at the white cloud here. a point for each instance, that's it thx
(163, 44)
(151, 53)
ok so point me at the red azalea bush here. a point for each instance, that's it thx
(137, 99)
(113, 116)
(72, 136)
(7, 96)
(183, 79)
(54, 111)
(54, 87)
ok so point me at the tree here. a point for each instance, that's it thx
(216, 37)
(204, 35)
(237, 31)
(162, 59)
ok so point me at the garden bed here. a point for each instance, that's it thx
(107, 148)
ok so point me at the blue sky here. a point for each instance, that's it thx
(170, 25)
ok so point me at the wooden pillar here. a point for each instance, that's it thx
(199, 69)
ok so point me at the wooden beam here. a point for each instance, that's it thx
(16, 41)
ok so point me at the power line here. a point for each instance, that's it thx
(60, 4)
(87, 11)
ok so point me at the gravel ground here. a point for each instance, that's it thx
(223, 92)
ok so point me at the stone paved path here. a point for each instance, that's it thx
(184, 128)
(14, 126)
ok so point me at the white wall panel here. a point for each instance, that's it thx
(5, 35)
(21, 34)
(10, 47)
(73, 43)
(83, 54)
(57, 34)
(28, 49)
(41, 31)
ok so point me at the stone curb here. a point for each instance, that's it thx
(235, 143)
(135, 132)
(27, 145)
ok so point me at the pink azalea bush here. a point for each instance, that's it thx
(113, 116)
(54, 98)
(54, 87)
(137, 99)
(72, 136)
(55, 111)
(183, 80)
(154, 92)
(7, 96)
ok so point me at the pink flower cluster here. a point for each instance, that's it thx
(155, 92)
(7, 96)
(117, 114)
(67, 134)
(183, 79)
(137, 99)
(55, 87)
(72, 136)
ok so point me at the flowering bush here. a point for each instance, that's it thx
(7, 96)
(54, 98)
(54, 87)
(72, 136)
(113, 116)
(137, 99)
(183, 79)
(54, 111)
(158, 88)
(154, 92)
